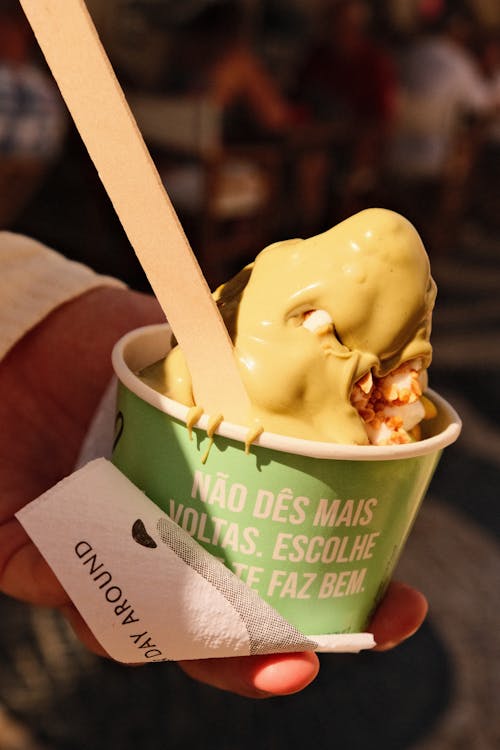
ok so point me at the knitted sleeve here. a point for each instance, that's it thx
(34, 280)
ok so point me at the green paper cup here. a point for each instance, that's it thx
(316, 528)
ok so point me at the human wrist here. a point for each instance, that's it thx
(56, 374)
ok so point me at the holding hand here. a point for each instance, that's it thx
(51, 384)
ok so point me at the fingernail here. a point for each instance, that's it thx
(287, 676)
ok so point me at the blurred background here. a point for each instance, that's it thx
(270, 119)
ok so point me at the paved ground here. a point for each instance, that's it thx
(436, 692)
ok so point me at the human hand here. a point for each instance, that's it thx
(51, 383)
(400, 614)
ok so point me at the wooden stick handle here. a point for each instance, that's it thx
(80, 66)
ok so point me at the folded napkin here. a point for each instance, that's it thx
(146, 589)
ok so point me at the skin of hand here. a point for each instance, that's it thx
(51, 383)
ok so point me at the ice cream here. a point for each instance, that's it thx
(331, 334)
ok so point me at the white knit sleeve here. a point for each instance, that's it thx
(34, 280)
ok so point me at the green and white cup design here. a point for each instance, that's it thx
(316, 528)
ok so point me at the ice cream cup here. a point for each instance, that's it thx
(316, 528)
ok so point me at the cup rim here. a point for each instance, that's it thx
(154, 339)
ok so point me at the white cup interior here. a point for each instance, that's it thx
(144, 346)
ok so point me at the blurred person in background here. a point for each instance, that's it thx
(215, 59)
(348, 77)
(441, 80)
(228, 196)
(487, 173)
(444, 97)
(32, 119)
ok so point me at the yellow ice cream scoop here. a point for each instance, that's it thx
(309, 318)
